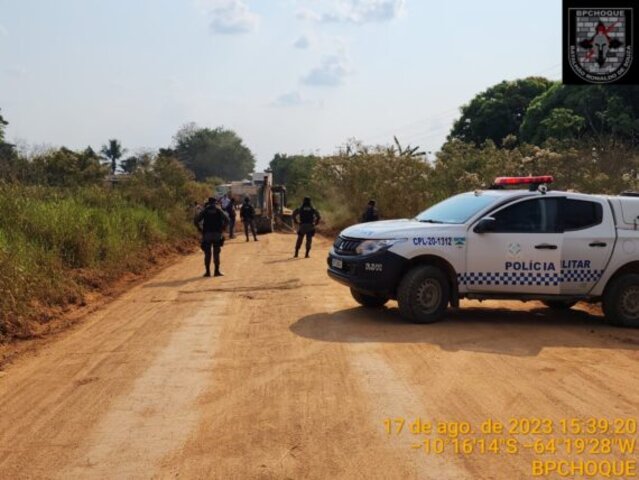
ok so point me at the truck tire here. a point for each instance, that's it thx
(368, 301)
(560, 304)
(423, 294)
(621, 301)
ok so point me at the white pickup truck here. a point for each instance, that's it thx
(534, 244)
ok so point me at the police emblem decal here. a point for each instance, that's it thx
(514, 249)
(600, 43)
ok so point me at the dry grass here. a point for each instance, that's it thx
(57, 245)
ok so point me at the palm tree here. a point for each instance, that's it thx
(411, 152)
(113, 152)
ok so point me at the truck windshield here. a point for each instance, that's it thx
(456, 210)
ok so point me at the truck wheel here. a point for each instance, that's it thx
(423, 294)
(369, 301)
(559, 304)
(621, 301)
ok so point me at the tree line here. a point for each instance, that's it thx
(208, 155)
(586, 136)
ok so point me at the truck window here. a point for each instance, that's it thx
(456, 210)
(540, 215)
(581, 214)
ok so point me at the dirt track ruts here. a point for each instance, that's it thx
(274, 372)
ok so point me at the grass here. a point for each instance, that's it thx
(55, 245)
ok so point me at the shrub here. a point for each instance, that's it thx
(344, 183)
(56, 243)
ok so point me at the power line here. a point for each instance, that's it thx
(405, 131)
(405, 127)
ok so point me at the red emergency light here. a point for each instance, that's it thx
(540, 180)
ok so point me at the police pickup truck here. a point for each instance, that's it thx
(499, 243)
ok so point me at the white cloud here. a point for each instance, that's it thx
(303, 42)
(230, 16)
(364, 11)
(330, 73)
(357, 11)
(291, 99)
(295, 99)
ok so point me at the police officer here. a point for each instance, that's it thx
(308, 218)
(247, 214)
(370, 214)
(230, 211)
(211, 222)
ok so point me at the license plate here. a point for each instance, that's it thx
(336, 263)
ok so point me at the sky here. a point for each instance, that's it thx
(289, 76)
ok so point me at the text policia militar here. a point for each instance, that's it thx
(533, 266)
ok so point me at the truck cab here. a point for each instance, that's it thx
(526, 244)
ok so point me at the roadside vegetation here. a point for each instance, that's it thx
(68, 228)
(586, 136)
(73, 221)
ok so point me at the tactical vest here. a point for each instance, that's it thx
(247, 211)
(213, 220)
(307, 215)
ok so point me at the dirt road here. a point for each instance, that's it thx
(273, 372)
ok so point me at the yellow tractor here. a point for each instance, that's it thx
(269, 200)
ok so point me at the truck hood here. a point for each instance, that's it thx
(396, 229)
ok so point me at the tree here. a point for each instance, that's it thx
(345, 182)
(113, 151)
(408, 151)
(562, 123)
(213, 153)
(66, 168)
(12, 166)
(293, 171)
(3, 124)
(498, 111)
(162, 182)
(593, 111)
(130, 164)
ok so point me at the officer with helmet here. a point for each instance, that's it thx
(211, 222)
(307, 218)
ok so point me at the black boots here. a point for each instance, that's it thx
(308, 254)
(216, 273)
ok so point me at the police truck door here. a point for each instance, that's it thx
(520, 252)
(589, 237)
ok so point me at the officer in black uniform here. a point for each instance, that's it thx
(247, 214)
(211, 222)
(230, 211)
(370, 214)
(308, 218)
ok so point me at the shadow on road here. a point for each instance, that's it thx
(173, 283)
(283, 260)
(502, 331)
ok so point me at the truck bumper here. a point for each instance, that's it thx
(377, 274)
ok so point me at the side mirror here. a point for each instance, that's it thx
(486, 224)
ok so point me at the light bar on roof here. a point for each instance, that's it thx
(540, 180)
